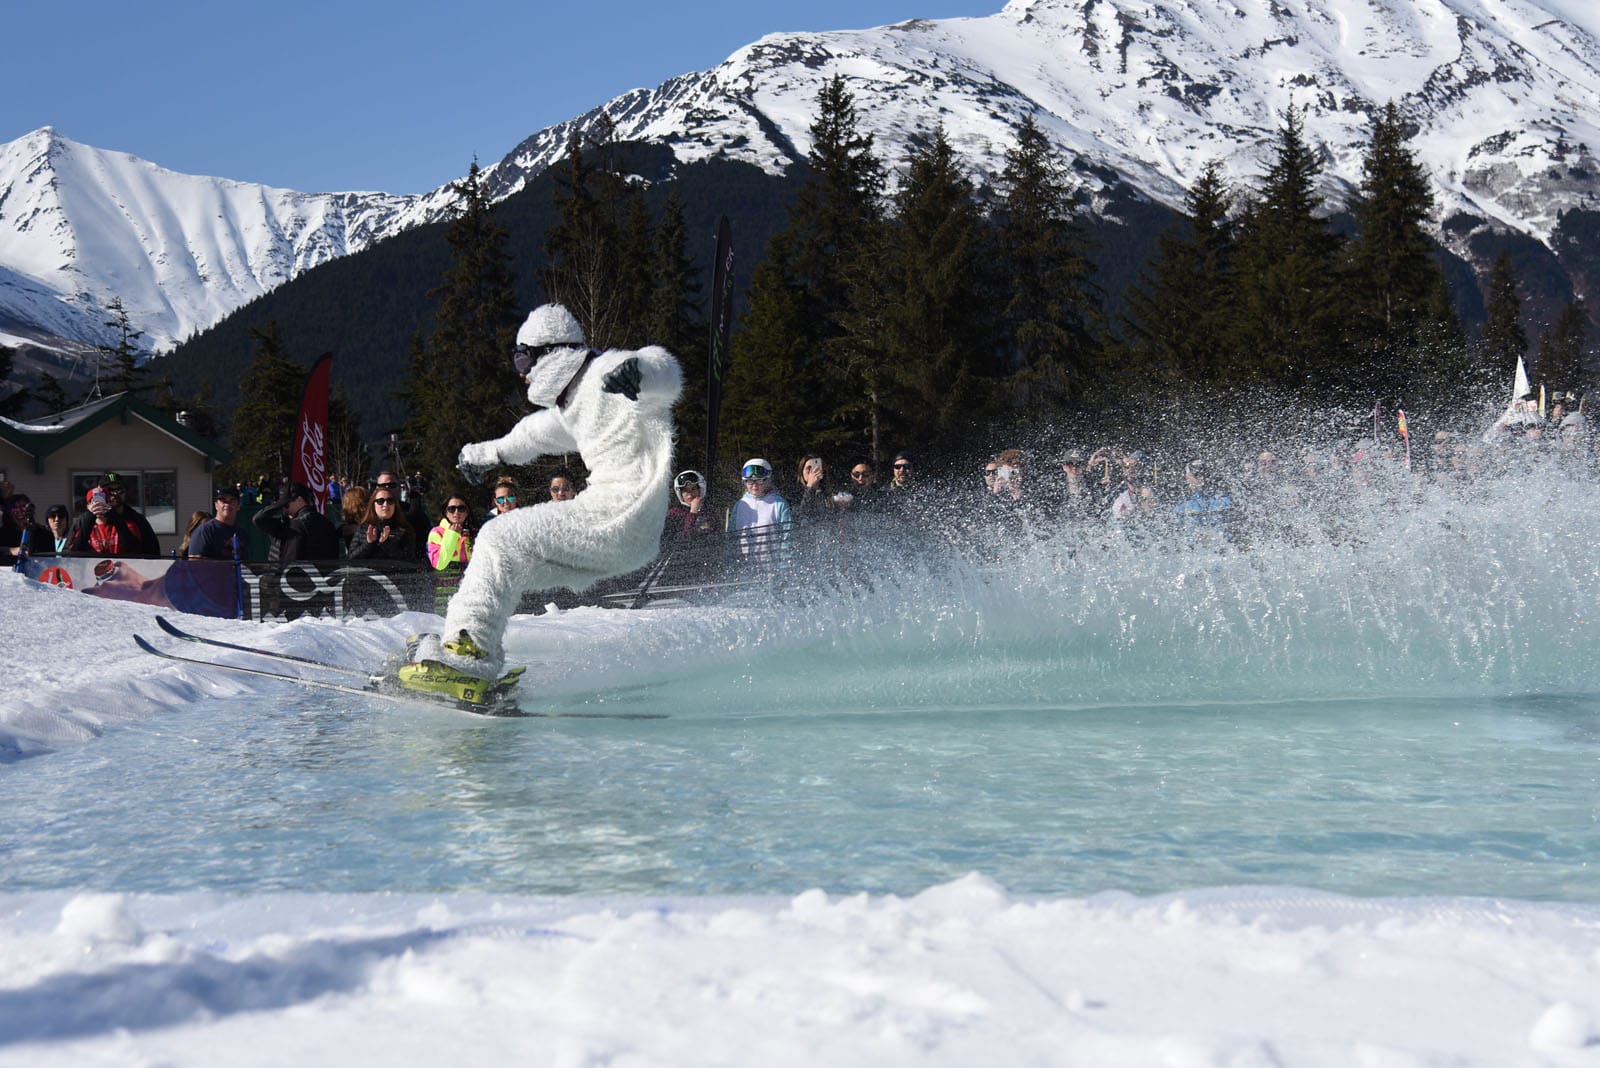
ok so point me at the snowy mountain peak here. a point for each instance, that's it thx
(1503, 92)
(84, 225)
(1505, 95)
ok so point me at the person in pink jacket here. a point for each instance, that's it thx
(450, 543)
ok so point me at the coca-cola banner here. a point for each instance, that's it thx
(310, 465)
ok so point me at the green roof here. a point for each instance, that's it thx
(40, 439)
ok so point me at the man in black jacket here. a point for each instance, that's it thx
(134, 536)
(298, 529)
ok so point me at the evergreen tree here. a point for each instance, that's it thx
(12, 400)
(1051, 310)
(117, 367)
(1394, 271)
(194, 410)
(1289, 327)
(1444, 379)
(52, 396)
(269, 403)
(461, 385)
(594, 249)
(1181, 312)
(790, 376)
(1560, 362)
(759, 406)
(1504, 339)
(347, 456)
(937, 335)
(676, 321)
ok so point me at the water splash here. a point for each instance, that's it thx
(1379, 585)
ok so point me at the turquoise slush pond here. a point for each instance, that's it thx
(1486, 797)
(1408, 703)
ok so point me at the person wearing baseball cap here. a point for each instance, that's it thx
(108, 505)
(218, 537)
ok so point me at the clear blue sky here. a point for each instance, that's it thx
(355, 94)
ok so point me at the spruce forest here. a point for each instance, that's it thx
(946, 317)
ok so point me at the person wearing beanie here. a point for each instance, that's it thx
(615, 410)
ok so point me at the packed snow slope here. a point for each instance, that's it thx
(1504, 94)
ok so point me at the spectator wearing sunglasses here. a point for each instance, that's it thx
(450, 543)
(563, 487)
(385, 533)
(409, 493)
(59, 520)
(865, 495)
(904, 494)
(505, 498)
(128, 528)
(297, 528)
(18, 521)
(1074, 496)
(760, 520)
(110, 522)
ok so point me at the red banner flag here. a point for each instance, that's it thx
(1402, 427)
(310, 464)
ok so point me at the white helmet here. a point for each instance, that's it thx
(550, 353)
(550, 324)
(688, 478)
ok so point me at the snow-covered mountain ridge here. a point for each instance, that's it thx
(1505, 95)
(81, 225)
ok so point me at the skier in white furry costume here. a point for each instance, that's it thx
(615, 410)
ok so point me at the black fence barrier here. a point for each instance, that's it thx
(698, 570)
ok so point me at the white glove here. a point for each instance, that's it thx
(476, 460)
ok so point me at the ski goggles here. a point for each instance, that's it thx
(755, 471)
(525, 356)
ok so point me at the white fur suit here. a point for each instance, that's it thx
(609, 529)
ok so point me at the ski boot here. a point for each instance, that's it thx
(440, 680)
(429, 674)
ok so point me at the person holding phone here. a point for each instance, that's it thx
(450, 542)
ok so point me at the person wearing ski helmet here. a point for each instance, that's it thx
(688, 519)
(615, 410)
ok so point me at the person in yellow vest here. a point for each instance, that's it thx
(450, 543)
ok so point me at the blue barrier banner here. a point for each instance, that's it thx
(200, 587)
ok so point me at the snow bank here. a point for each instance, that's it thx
(961, 974)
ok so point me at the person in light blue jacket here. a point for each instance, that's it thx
(760, 522)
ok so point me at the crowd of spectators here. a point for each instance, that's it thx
(1222, 496)
(1194, 494)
